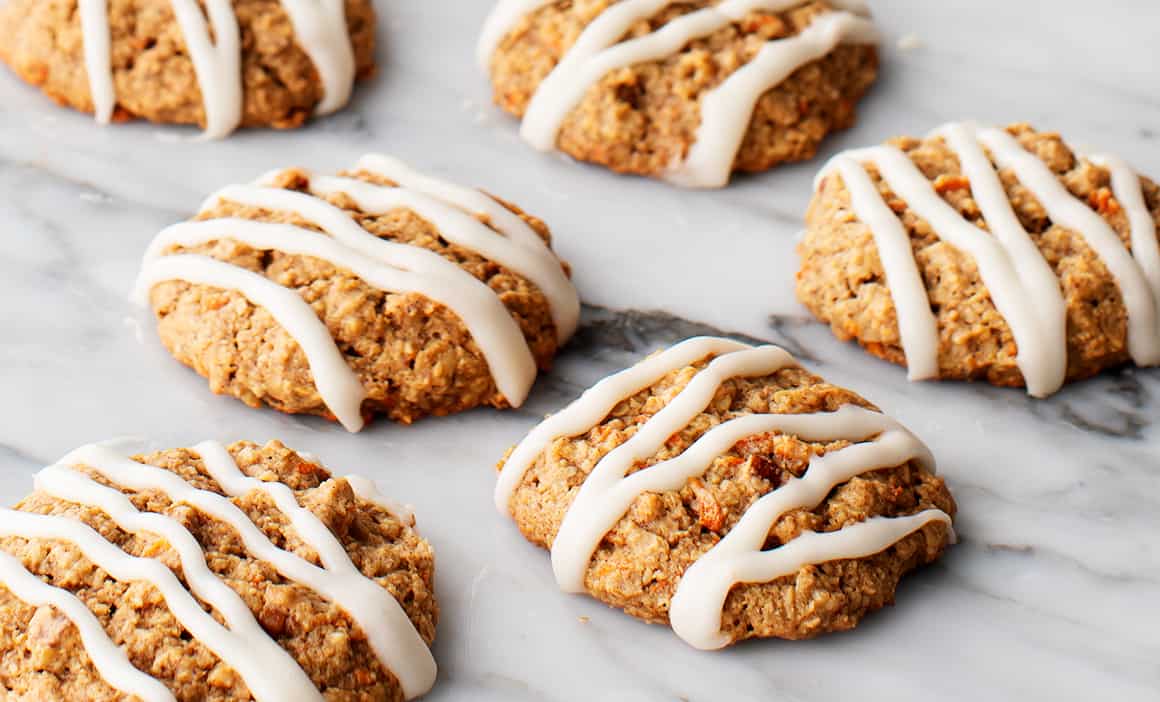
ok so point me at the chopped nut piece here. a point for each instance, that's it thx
(764, 468)
(706, 506)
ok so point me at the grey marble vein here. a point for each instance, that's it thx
(639, 331)
(1051, 594)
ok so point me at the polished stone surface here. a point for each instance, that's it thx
(1054, 592)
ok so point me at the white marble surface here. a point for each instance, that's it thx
(1054, 592)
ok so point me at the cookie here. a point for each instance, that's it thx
(997, 255)
(235, 63)
(723, 489)
(212, 573)
(689, 91)
(378, 291)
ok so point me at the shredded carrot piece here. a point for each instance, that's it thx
(945, 184)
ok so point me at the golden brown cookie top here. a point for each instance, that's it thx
(698, 486)
(377, 290)
(688, 91)
(987, 253)
(243, 62)
(214, 573)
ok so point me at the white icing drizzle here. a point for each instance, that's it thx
(725, 111)
(390, 632)
(109, 660)
(217, 61)
(609, 489)
(386, 265)
(337, 384)
(338, 223)
(606, 493)
(503, 19)
(227, 645)
(268, 671)
(739, 557)
(321, 31)
(366, 489)
(1129, 191)
(1066, 210)
(507, 15)
(94, 16)
(689, 609)
(549, 275)
(469, 200)
(1032, 300)
(917, 325)
(536, 262)
(1022, 285)
(597, 402)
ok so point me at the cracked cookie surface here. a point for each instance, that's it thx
(844, 282)
(643, 115)
(151, 68)
(666, 495)
(464, 327)
(43, 656)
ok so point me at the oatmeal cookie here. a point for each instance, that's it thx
(265, 63)
(378, 291)
(997, 255)
(212, 573)
(724, 490)
(690, 92)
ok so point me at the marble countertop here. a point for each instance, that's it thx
(1054, 592)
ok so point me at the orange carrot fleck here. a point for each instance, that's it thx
(945, 184)
(1104, 202)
